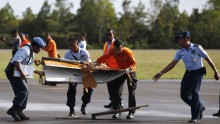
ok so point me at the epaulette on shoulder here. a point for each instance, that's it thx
(196, 45)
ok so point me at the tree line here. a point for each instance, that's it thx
(139, 27)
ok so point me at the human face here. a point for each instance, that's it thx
(109, 35)
(183, 42)
(36, 49)
(73, 45)
(118, 49)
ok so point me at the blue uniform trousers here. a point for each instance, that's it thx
(189, 91)
(71, 95)
(20, 89)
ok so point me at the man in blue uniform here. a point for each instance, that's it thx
(82, 55)
(24, 56)
(192, 55)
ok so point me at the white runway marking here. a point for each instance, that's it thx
(47, 107)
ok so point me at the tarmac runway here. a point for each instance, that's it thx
(166, 107)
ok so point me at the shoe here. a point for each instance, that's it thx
(217, 114)
(116, 116)
(122, 105)
(201, 112)
(52, 84)
(130, 115)
(22, 115)
(110, 105)
(13, 113)
(83, 110)
(193, 121)
(72, 112)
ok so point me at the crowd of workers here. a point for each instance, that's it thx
(116, 56)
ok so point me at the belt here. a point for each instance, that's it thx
(194, 70)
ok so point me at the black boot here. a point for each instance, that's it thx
(22, 115)
(83, 110)
(13, 112)
(217, 114)
(116, 116)
(110, 105)
(72, 112)
(130, 115)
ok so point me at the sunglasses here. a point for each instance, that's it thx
(108, 34)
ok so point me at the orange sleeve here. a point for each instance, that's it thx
(131, 59)
(105, 57)
(48, 47)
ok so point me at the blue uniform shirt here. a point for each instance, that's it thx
(192, 57)
(82, 55)
(23, 55)
(82, 44)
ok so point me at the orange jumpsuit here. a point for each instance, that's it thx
(111, 62)
(124, 60)
(24, 42)
(51, 48)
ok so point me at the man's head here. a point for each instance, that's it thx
(14, 33)
(22, 36)
(183, 39)
(118, 46)
(82, 35)
(73, 43)
(109, 34)
(37, 44)
(47, 36)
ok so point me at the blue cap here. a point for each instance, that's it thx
(184, 34)
(39, 41)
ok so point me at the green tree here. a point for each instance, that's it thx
(7, 19)
(163, 34)
(215, 4)
(94, 17)
(204, 28)
(28, 22)
(133, 25)
(7, 22)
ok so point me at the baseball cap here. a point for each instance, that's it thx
(184, 34)
(39, 41)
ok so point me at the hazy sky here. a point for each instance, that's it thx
(19, 6)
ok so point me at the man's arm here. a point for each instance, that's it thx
(165, 70)
(49, 47)
(212, 65)
(18, 68)
(3, 38)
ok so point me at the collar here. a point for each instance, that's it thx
(71, 52)
(111, 41)
(191, 46)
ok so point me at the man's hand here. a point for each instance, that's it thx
(3, 38)
(37, 62)
(157, 77)
(216, 76)
(41, 73)
(23, 76)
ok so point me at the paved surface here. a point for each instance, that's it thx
(166, 107)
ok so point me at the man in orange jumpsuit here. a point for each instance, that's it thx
(51, 46)
(125, 60)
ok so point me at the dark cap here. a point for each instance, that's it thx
(39, 42)
(184, 34)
